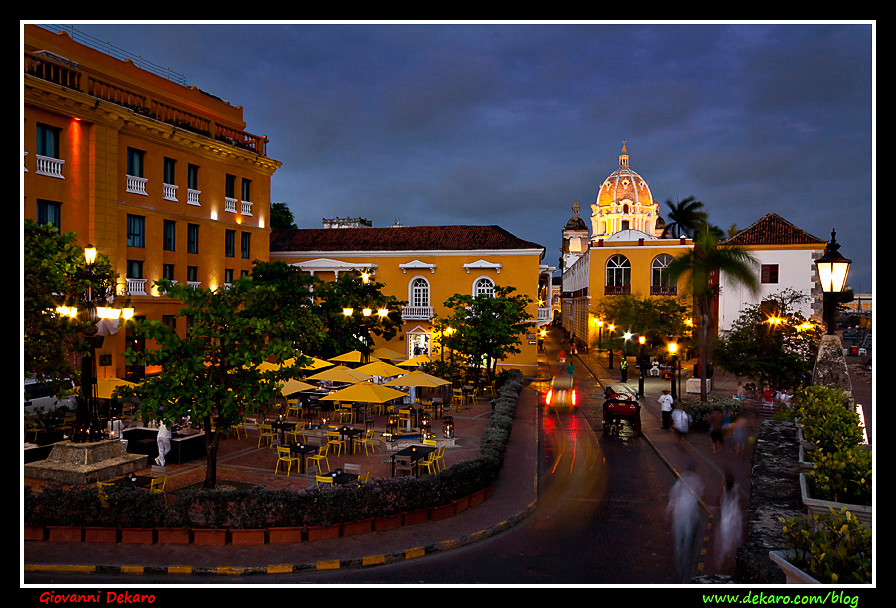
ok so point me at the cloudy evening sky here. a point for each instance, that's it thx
(509, 124)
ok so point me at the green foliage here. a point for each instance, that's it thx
(281, 217)
(344, 333)
(655, 318)
(842, 476)
(779, 354)
(55, 274)
(832, 548)
(826, 418)
(486, 329)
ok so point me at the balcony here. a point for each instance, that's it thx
(169, 192)
(49, 166)
(230, 204)
(136, 185)
(544, 315)
(136, 287)
(617, 290)
(193, 197)
(416, 313)
(245, 208)
(664, 290)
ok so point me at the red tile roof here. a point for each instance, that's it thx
(405, 238)
(773, 229)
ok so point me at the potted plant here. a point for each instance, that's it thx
(840, 479)
(249, 514)
(323, 517)
(829, 548)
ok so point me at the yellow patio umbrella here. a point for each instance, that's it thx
(354, 356)
(381, 368)
(387, 353)
(314, 365)
(417, 378)
(365, 392)
(416, 361)
(340, 373)
(294, 386)
(106, 386)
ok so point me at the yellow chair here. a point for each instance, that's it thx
(321, 455)
(236, 428)
(293, 408)
(346, 414)
(297, 433)
(157, 485)
(429, 442)
(440, 458)
(283, 455)
(458, 398)
(404, 416)
(102, 488)
(363, 477)
(325, 479)
(430, 463)
(266, 433)
(366, 440)
(335, 440)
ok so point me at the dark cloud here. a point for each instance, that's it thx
(509, 124)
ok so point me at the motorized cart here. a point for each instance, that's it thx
(621, 408)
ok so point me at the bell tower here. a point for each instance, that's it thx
(575, 238)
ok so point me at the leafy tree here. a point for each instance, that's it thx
(292, 300)
(655, 318)
(487, 328)
(700, 267)
(355, 331)
(212, 374)
(685, 217)
(281, 217)
(56, 274)
(771, 343)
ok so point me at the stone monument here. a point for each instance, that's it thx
(86, 462)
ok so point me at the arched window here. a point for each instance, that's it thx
(660, 281)
(619, 275)
(419, 292)
(483, 287)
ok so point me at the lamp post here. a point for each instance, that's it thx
(87, 427)
(642, 364)
(833, 269)
(673, 348)
(610, 329)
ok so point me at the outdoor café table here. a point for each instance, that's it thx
(303, 450)
(414, 453)
(350, 432)
(344, 478)
(283, 426)
(140, 481)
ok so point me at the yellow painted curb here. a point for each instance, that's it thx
(279, 569)
(132, 569)
(373, 560)
(419, 552)
(332, 564)
(180, 569)
(59, 568)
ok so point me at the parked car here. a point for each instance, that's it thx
(40, 397)
(562, 393)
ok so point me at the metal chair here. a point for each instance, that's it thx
(323, 479)
(157, 485)
(334, 439)
(284, 455)
(366, 440)
(320, 456)
(266, 433)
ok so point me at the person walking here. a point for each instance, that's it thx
(730, 529)
(683, 509)
(681, 423)
(164, 443)
(716, 431)
(665, 402)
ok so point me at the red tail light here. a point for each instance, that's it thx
(574, 397)
(547, 399)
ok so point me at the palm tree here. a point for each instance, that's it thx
(685, 217)
(706, 260)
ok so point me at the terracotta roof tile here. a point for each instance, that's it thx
(773, 229)
(406, 238)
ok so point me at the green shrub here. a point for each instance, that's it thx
(842, 476)
(832, 548)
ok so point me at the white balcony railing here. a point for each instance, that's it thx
(169, 192)
(245, 207)
(194, 284)
(193, 197)
(229, 204)
(136, 287)
(49, 166)
(136, 185)
(416, 312)
(544, 314)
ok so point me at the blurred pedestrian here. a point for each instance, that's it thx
(571, 369)
(683, 509)
(739, 436)
(666, 401)
(716, 431)
(730, 529)
(164, 442)
(681, 423)
(741, 392)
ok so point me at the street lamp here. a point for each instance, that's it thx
(642, 365)
(673, 348)
(833, 269)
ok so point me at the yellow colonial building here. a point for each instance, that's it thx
(162, 178)
(625, 254)
(424, 266)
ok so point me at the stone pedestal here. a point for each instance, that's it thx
(830, 367)
(86, 462)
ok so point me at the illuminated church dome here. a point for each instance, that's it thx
(624, 202)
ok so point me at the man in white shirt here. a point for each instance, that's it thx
(665, 402)
(164, 443)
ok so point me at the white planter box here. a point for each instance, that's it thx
(693, 385)
(794, 575)
(821, 507)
